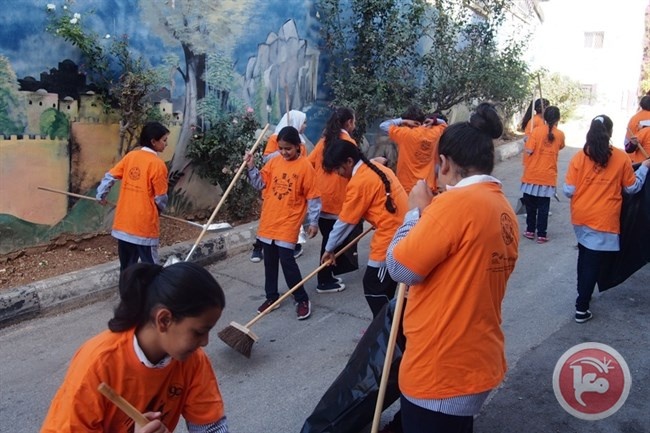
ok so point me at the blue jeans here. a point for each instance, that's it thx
(537, 213)
(274, 254)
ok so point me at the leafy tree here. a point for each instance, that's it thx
(645, 65)
(126, 82)
(12, 112)
(372, 47)
(560, 90)
(54, 123)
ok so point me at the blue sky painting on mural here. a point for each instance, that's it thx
(31, 50)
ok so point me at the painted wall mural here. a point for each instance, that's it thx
(54, 131)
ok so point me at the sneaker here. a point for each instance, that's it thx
(582, 317)
(542, 239)
(529, 235)
(338, 280)
(330, 287)
(257, 255)
(297, 252)
(262, 308)
(303, 309)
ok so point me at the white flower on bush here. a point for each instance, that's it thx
(51, 7)
(107, 36)
(74, 21)
(76, 15)
(65, 8)
(234, 121)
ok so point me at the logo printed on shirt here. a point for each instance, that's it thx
(283, 185)
(591, 381)
(175, 390)
(134, 173)
(507, 229)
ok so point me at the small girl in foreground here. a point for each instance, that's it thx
(151, 355)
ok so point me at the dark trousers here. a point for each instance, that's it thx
(537, 213)
(589, 264)
(272, 255)
(376, 291)
(325, 226)
(130, 253)
(416, 419)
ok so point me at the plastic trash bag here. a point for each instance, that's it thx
(634, 241)
(349, 403)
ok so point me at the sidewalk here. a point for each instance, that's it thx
(87, 285)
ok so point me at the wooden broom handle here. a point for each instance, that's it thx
(225, 194)
(390, 350)
(638, 146)
(124, 405)
(85, 197)
(308, 277)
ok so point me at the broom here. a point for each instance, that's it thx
(225, 194)
(124, 405)
(390, 350)
(241, 338)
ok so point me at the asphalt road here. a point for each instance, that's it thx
(295, 361)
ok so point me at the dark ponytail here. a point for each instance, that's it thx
(597, 146)
(338, 152)
(551, 117)
(335, 123)
(185, 288)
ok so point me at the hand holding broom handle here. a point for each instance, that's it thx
(225, 194)
(390, 350)
(124, 405)
(638, 146)
(307, 278)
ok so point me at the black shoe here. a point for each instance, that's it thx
(257, 255)
(582, 317)
(297, 251)
(330, 287)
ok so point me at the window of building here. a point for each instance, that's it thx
(594, 39)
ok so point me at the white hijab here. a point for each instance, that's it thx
(295, 118)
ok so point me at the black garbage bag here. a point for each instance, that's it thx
(349, 403)
(634, 241)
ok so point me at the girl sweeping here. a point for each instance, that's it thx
(595, 181)
(456, 251)
(289, 190)
(298, 120)
(540, 173)
(143, 196)
(151, 355)
(332, 187)
(374, 194)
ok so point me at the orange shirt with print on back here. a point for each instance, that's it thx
(541, 165)
(365, 197)
(188, 388)
(144, 176)
(634, 125)
(417, 150)
(644, 141)
(597, 200)
(330, 185)
(452, 321)
(289, 184)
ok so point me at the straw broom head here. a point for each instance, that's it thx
(239, 338)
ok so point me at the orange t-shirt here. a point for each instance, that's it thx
(466, 243)
(144, 176)
(417, 150)
(597, 200)
(541, 166)
(633, 125)
(644, 141)
(289, 184)
(330, 185)
(365, 197)
(272, 146)
(188, 388)
(535, 122)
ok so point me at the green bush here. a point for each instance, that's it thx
(561, 91)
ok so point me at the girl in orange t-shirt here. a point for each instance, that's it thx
(635, 125)
(143, 195)
(151, 355)
(540, 173)
(456, 251)
(374, 194)
(332, 187)
(289, 191)
(595, 181)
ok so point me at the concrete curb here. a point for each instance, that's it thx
(86, 285)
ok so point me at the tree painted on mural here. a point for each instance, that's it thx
(200, 26)
(12, 111)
